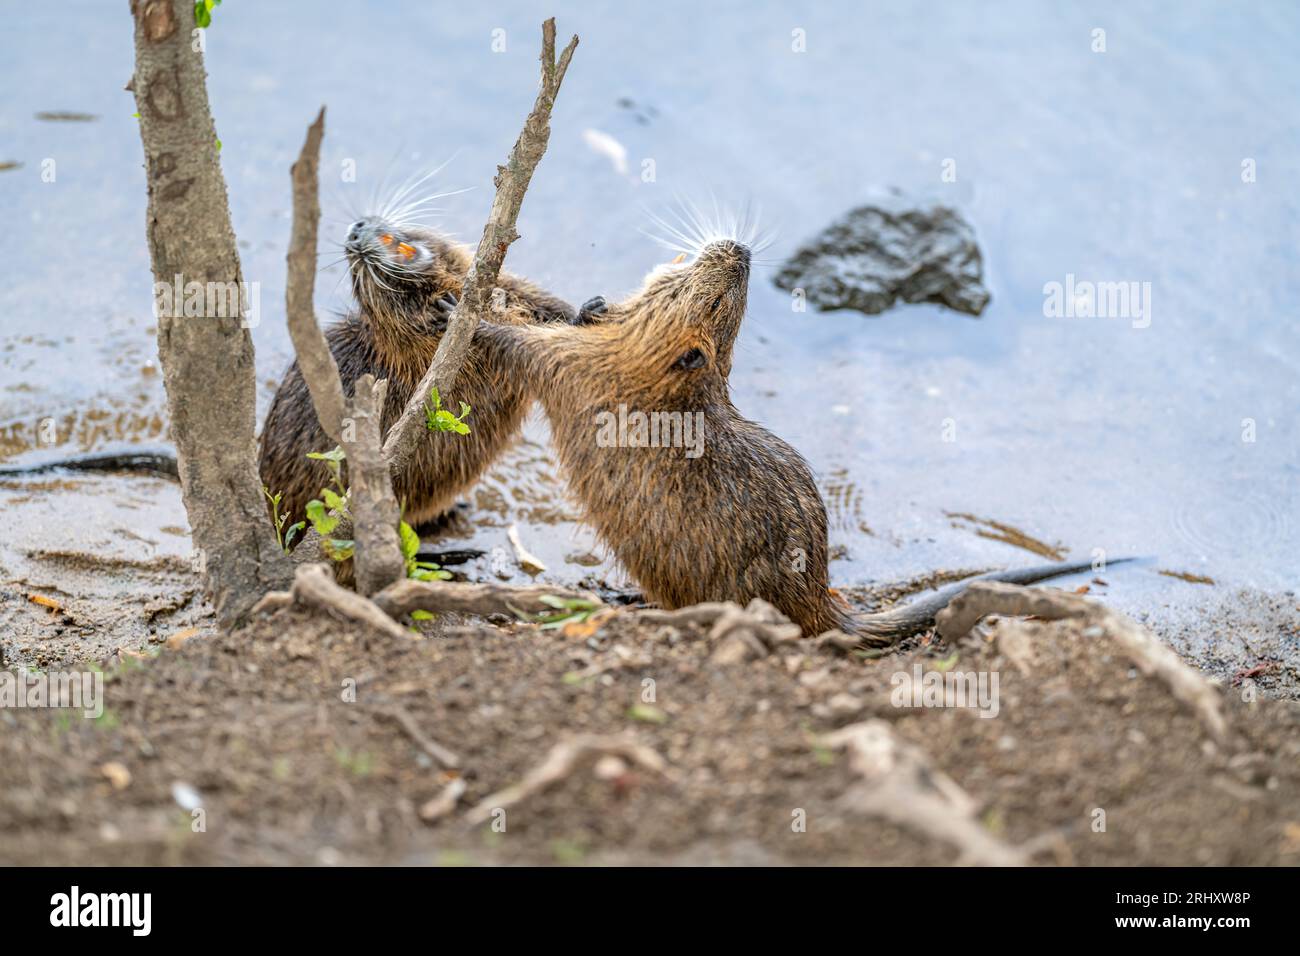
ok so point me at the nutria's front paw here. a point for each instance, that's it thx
(590, 309)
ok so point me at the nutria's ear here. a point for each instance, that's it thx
(690, 360)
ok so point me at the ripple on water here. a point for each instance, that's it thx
(1232, 521)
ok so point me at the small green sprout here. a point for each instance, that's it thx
(283, 536)
(415, 568)
(331, 507)
(438, 419)
(203, 12)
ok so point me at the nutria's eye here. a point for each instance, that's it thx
(717, 303)
(691, 360)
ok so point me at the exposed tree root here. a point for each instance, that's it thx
(1151, 657)
(739, 633)
(314, 586)
(407, 595)
(437, 751)
(444, 803)
(563, 759)
(901, 784)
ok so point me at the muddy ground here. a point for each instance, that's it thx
(306, 741)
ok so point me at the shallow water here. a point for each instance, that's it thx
(1077, 433)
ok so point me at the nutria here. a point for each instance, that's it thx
(730, 518)
(401, 277)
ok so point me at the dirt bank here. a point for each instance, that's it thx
(254, 729)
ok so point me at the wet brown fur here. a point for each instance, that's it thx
(742, 520)
(393, 335)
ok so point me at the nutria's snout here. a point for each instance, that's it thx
(728, 256)
(727, 248)
(373, 238)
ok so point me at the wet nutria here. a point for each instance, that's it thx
(726, 512)
(405, 279)
(401, 277)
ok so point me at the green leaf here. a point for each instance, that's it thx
(340, 549)
(334, 500)
(320, 518)
(336, 455)
(421, 615)
(438, 419)
(290, 534)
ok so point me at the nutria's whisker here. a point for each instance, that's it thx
(331, 265)
(386, 211)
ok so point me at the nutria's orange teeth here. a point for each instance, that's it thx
(681, 257)
(386, 239)
(404, 249)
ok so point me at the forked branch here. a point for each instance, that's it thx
(512, 182)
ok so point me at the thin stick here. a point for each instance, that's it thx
(319, 370)
(499, 232)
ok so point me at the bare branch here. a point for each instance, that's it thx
(378, 550)
(378, 553)
(498, 233)
(319, 370)
(406, 596)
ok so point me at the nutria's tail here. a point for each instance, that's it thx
(890, 627)
(153, 461)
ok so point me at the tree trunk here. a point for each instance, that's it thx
(206, 350)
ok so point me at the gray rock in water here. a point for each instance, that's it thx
(886, 250)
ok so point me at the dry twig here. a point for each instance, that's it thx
(499, 232)
(319, 370)
(445, 802)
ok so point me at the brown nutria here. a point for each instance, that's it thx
(719, 508)
(400, 277)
